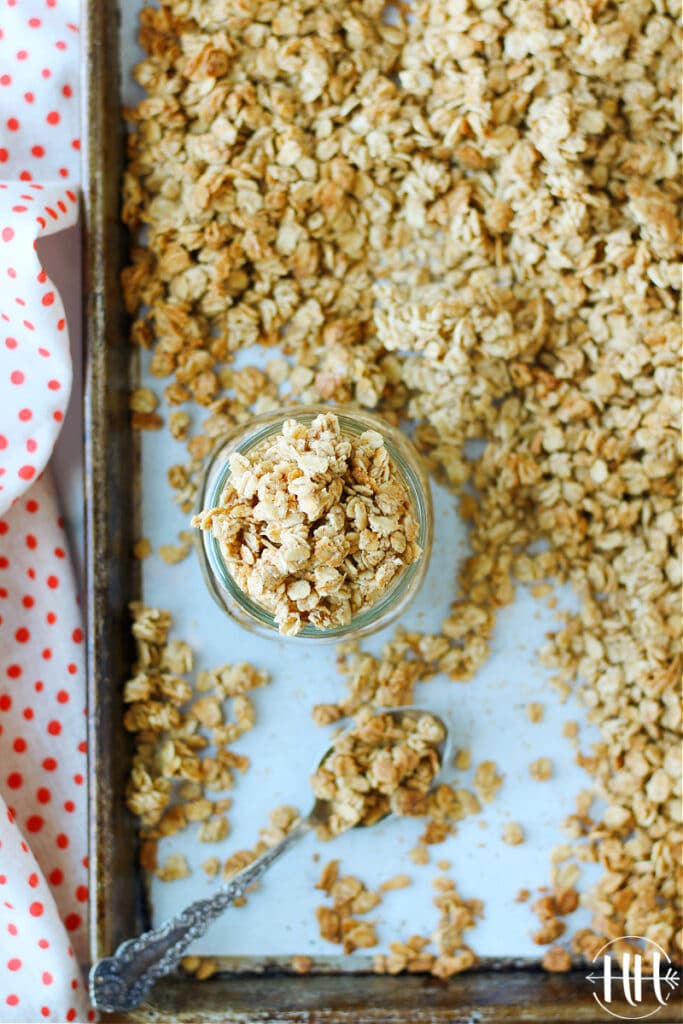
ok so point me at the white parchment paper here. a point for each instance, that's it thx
(487, 715)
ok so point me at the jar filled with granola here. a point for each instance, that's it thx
(315, 522)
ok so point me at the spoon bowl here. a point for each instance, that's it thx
(319, 816)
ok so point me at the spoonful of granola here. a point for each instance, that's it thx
(387, 762)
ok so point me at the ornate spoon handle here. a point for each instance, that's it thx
(120, 982)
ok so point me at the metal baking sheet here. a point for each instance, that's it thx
(486, 714)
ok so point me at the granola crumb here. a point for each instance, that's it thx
(396, 882)
(211, 866)
(206, 969)
(566, 900)
(487, 781)
(463, 760)
(174, 867)
(556, 959)
(214, 829)
(142, 548)
(146, 421)
(171, 554)
(148, 854)
(534, 712)
(301, 964)
(541, 769)
(142, 400)
(513, 834)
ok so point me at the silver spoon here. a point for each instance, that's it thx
(119, 982)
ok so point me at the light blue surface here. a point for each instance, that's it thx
(487, 715)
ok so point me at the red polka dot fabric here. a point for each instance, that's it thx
(43, 765)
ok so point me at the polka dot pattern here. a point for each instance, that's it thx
(43, 852)
(39, 145)
(42, 766)
(35, 362)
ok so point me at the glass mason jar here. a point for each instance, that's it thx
(400, 592)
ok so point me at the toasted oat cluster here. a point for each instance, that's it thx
(382, 764)
(314, 524)
(456, 915)
(350, 899)
(510, 170)
(183, 732)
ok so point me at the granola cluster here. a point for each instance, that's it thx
(342, 924)
(470, 217)
(174, 723)
(314, 524)
(384, 763)
(456, 915)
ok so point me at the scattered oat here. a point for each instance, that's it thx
(513, 833)
(534, 712)
(541, 769)
(146, 421)
(214, 829)
(301, 964)
(174, 553)
(142, 548)
(148, 855)
(206, 969)
(328, 876)
(143, 400)
(566, 900)
(463, 760)
(556, 959)
(396, 882)
(453, 956)
(487, 781)
(211, 866)
(174, 867)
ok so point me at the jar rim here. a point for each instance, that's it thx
(353, 421)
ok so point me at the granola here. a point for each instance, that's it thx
(350, 898)
(510, 171)
(453, 954)
(171, 766)
(314, 524)
(513, 833)
(382, 764)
